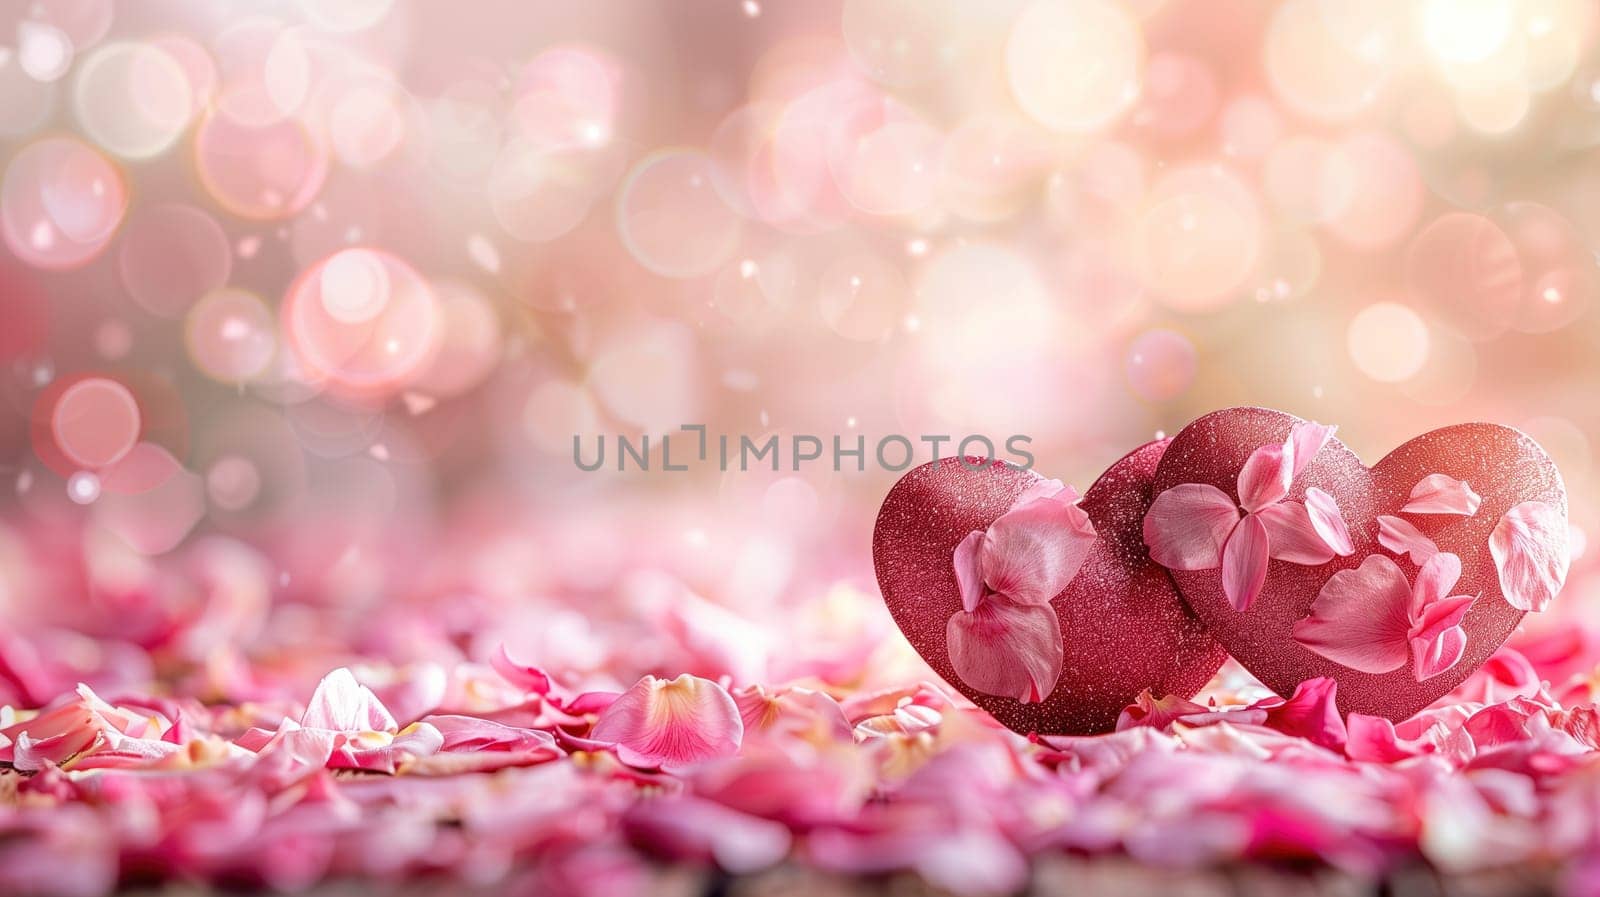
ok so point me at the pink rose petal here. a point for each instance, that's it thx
(1328, 522)
(1244, 562)
(1265, 477)
(969, 573)
(1437, 577)
(1360, 619)
(1439, 493)
(1291, 535)
(1312, 714)
(1401, 537)
(1188, 525)
(1007, 649)
(341, 704)
(668, 723)
(1305, 441)
(1529, 546)
(1439, 652)
(1032, 551)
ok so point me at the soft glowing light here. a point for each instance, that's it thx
(900, 42)
(1468, 271)
(60, 203)
(264, 172)
(540, 194)
(1161, 365)
(170, 255)
(375, 353)
(231, 336)
(96, 421)
(1457, 31)
(1075, 65)
(133, 99)
(44, 51)
(345, 16)
(671, 219)
(354, 286)
(1198, 238)
(1388, 342)
(233, 483)
(862, 296)
(468, 345)
(83, 487)
(1379, 191)
(1315, 72)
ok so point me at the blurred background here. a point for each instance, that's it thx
(302, 304)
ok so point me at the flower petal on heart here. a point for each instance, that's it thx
(1401, 537)
(1329, 523)
(1437, 577)
(1305, 441)
(1187, 526)
(1440, 616)
(667, 723)
(969, 574)
(1290, 535)
(1008, 649)
(1529, 546)
(1360, 618)
(1265, 477)
(1032, 551)
(1439, 493)
(1244, 562)
(1435, 655)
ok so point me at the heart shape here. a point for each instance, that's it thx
(1504, 467)
(1123, 626)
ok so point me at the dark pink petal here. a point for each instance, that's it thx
(1373, 739)
(1400, 537)
(1187, 526)
(1312, 714)
(523, 676)
(1291, 536)
(1007, 649)
(1033, 550)
(1434, 581)
(969, 578)
(341, 704)
(1360, 618)
(1443, 614)
(1329, 523)
(1265, 477)
(1439, 493)
(1305, 441)
(1529, 546)
(1244, 562)
(661, 722)
(1159, 713)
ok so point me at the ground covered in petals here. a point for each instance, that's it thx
(677, 747)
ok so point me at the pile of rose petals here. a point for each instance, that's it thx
(291, 745)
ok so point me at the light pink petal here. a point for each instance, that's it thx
(342, 704)
(1305, 441)
(1435, 655)
(1329, 523)
(1360, 618)
(1007, 649)
(1187, 526)
(1265, 477)
(528, 678)
(1291, 536)
(1312, 714)
(660, 722)
(969, 578)
(1441, 615)
(1034, 550)
(1529, 546)
(1434, 581)
(1400, 537)
(1439, 493)
(1244, 562)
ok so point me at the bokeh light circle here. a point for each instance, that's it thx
(25, 102)
(263, 172)
(469, 342)
(900, 43)
(60, 203)
(233, 482)
(862, 296)
(344, 16)
(364, 353)
(95, 422)
(671, 218)
(1075, 65)
(1198, 238)
(133, 99)
(1388, 342)
(1467, 270)
(1161, 365)
(1378, 191)
(1316, 71)
(538, 194)
(232, 336)
(170, 255)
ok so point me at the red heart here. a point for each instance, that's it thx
(1503, 465)
(1124, 627)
